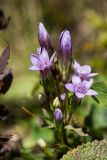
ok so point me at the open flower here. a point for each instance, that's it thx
(84, 71)
(41, 60)
(80, 88)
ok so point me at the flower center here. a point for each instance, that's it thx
(43, 63)
(80, 88)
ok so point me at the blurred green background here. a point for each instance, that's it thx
(87, 22)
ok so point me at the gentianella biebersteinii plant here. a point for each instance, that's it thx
(65, 84)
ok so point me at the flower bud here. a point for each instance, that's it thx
(65, 47)
(56, 102)
(43, 37)
(58, 114)
(63, 96)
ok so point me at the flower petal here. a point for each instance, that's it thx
(91, 92)
(38, 51)
(79, 95)
(88, 83)
(33, 58)
(45, 54)
(76, 79)
(93, 74)
(69, 86)
(85, 69)
(42, 33)
(76, 65)
(34, 68)
(65, 41)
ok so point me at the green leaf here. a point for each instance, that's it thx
(45, 133)
(100, 87)
(29, 156)
(99, 117)
(77, 131)
(95, 99)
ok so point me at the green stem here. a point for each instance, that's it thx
(60, 133)
(75, 103)
(47, 151)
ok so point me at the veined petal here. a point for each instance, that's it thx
(91, 92)
(69, 86)
(65, 47)
(42, 33)
(33, 58)
(88, 83)
(76, 65)
(34, 68)
(65, 40)
(38, 50)
(85, 69)
(76, 79)
(79, 95)
(93, 74)
(45, 54)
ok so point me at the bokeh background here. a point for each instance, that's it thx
(87, 22)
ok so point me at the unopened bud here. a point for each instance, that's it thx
(43, 37)
(65, 47)
(56, 102)
(63, 96)
(58, 114)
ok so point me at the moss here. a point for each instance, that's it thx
(96, 150)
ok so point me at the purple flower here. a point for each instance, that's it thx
(84, 71)
(43, 37)
(65, 46)
(58, 114)
(41, 60)
(80, 88)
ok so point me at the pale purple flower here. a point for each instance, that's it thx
(58, 114)
(80, 88)
(65, 46)
(41, 60)
(84, 72)
(43, 37)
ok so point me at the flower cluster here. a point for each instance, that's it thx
(81, 81)
(44, 60)
(41, 60)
